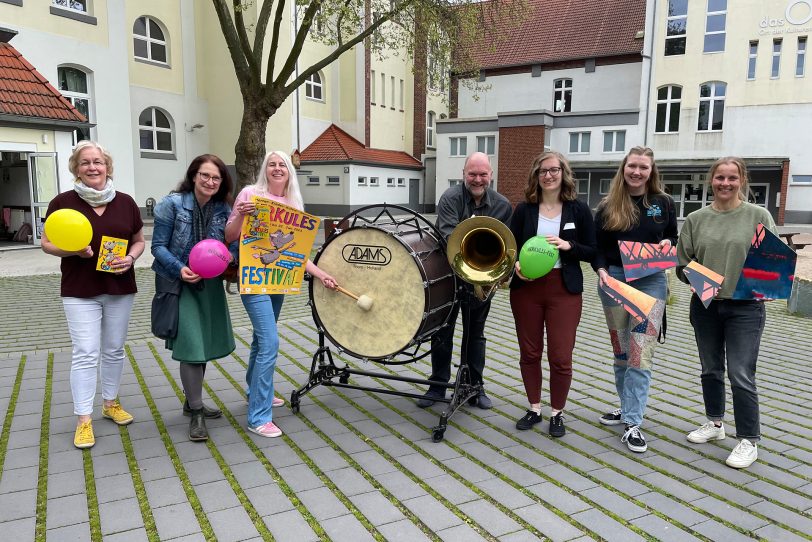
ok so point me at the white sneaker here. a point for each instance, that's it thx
(707, 432)
(743, 455)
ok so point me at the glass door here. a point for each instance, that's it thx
(44, 182)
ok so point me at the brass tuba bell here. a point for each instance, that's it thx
(482, 252)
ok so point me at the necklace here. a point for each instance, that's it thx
(549, 208)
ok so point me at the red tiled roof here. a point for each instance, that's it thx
(334, 144)
(24, 92)
(559, 30)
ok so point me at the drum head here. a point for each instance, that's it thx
(371, 262)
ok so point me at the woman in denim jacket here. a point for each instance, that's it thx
(197, 209)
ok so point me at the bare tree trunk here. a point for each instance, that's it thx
(250, 148)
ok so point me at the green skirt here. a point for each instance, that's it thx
(204, 324)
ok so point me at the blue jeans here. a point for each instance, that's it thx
(263, 310)
(633, 343)
(730, 330)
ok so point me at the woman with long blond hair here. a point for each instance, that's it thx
(553, 301)
(636, 209)
(728, 332)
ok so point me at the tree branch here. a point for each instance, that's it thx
(277, 22)
(241, 64)
(243, 39)
(339, 22)
(262, 26)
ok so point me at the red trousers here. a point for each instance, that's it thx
(541, 303)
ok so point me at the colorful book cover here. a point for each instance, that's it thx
(275, 244)
(110, 249)
(769, 268)
(644, 259)
(705, 282)
(636, 303)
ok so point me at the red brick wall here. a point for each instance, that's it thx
(784, 187)
(518, 147)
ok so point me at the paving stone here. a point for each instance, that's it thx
(22, 529)
(322, 503)
(547, 522)
(779, 514)
(175, 520)
(495, 521)
(268, 499)
(164, 492)
(232, 524)
(21, 458)
(67, 511)
(718, 531)
(135, 535)
(290, 526)
(376, 508)
(431, 512)
(118, 516)
(155, 468)
(773, 532)
(79, 532)
(460, 533)
(402, 531)
(730, 514)
(114, 488)
(215, 496)
(20, 479)
(605, 526)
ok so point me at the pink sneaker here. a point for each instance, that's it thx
(268, 429)
(277, 401)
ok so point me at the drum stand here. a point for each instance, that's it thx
(324, 372)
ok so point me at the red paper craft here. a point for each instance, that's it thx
(644, 259)
(636, 303)
(705, 282)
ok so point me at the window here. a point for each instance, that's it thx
(373, 181)
(392, 89)
(562, 95)
(605, 184)
(614, 141)
(454, 182)
(401, 181)
(715, 26)
(312, 180)
(401, 94)
(314, 88)
(73, 86)
(579, 141)
(155, 131)
(751, 60)
(362, 181)
(711, 105)
(459, 146)
(372, 87)
(390, 181)
(582, 186)
(668, 106)
(149, 42)
(430, 116)
(800, 60)
(802, 179)
(676, 26)
(486, 144)
(383, 90)
(71, 4)
(333, 180)
(776, 67)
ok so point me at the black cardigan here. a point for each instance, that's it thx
(524, 225)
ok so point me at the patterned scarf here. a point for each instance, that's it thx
(201, 220)
(93, 197)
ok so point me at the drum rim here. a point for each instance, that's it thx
(356, 217)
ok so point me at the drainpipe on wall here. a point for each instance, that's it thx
(648, 49)
(296, 76)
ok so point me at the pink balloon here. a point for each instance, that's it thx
(209, 258)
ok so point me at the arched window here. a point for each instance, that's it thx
(314, 88)
(711, 106)
(669, 100)
(430, 117)
(155, 131)
(149, 41)
(74, 86)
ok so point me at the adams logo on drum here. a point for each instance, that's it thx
(366, 254)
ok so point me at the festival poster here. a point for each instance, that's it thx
(705, 282)
(275, 244)
(769, 268)
(644, 259)
(635, 302)
(110, 250)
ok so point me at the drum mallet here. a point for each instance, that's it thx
(363, 301)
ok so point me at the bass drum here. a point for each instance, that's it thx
(403, 268)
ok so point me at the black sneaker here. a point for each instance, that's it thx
(528, 421)
(634, 439)
(611, 418)
(431, 397)
(557, 428)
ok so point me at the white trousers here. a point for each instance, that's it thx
(98, 328)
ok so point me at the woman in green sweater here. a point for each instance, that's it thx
(729, 330)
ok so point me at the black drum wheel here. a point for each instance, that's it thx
(437, 434)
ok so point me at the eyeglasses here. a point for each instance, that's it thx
(87, 163)
(206, 178)
(552, 171)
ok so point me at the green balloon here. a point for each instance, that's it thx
(537, 257)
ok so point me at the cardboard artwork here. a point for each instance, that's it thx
(268, 262)
(636, 303)
(644, 259)
(769, 268)
(705, 282)
(110, 250)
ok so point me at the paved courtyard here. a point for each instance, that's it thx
(359, 466)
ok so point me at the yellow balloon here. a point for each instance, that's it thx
(68, 229)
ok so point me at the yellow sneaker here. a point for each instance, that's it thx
(84, 436)
(117, 414)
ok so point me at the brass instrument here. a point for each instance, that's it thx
(482, 252)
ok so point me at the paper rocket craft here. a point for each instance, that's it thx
(636, 303)
(644, 259)
(704, 281)
(768, 270)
